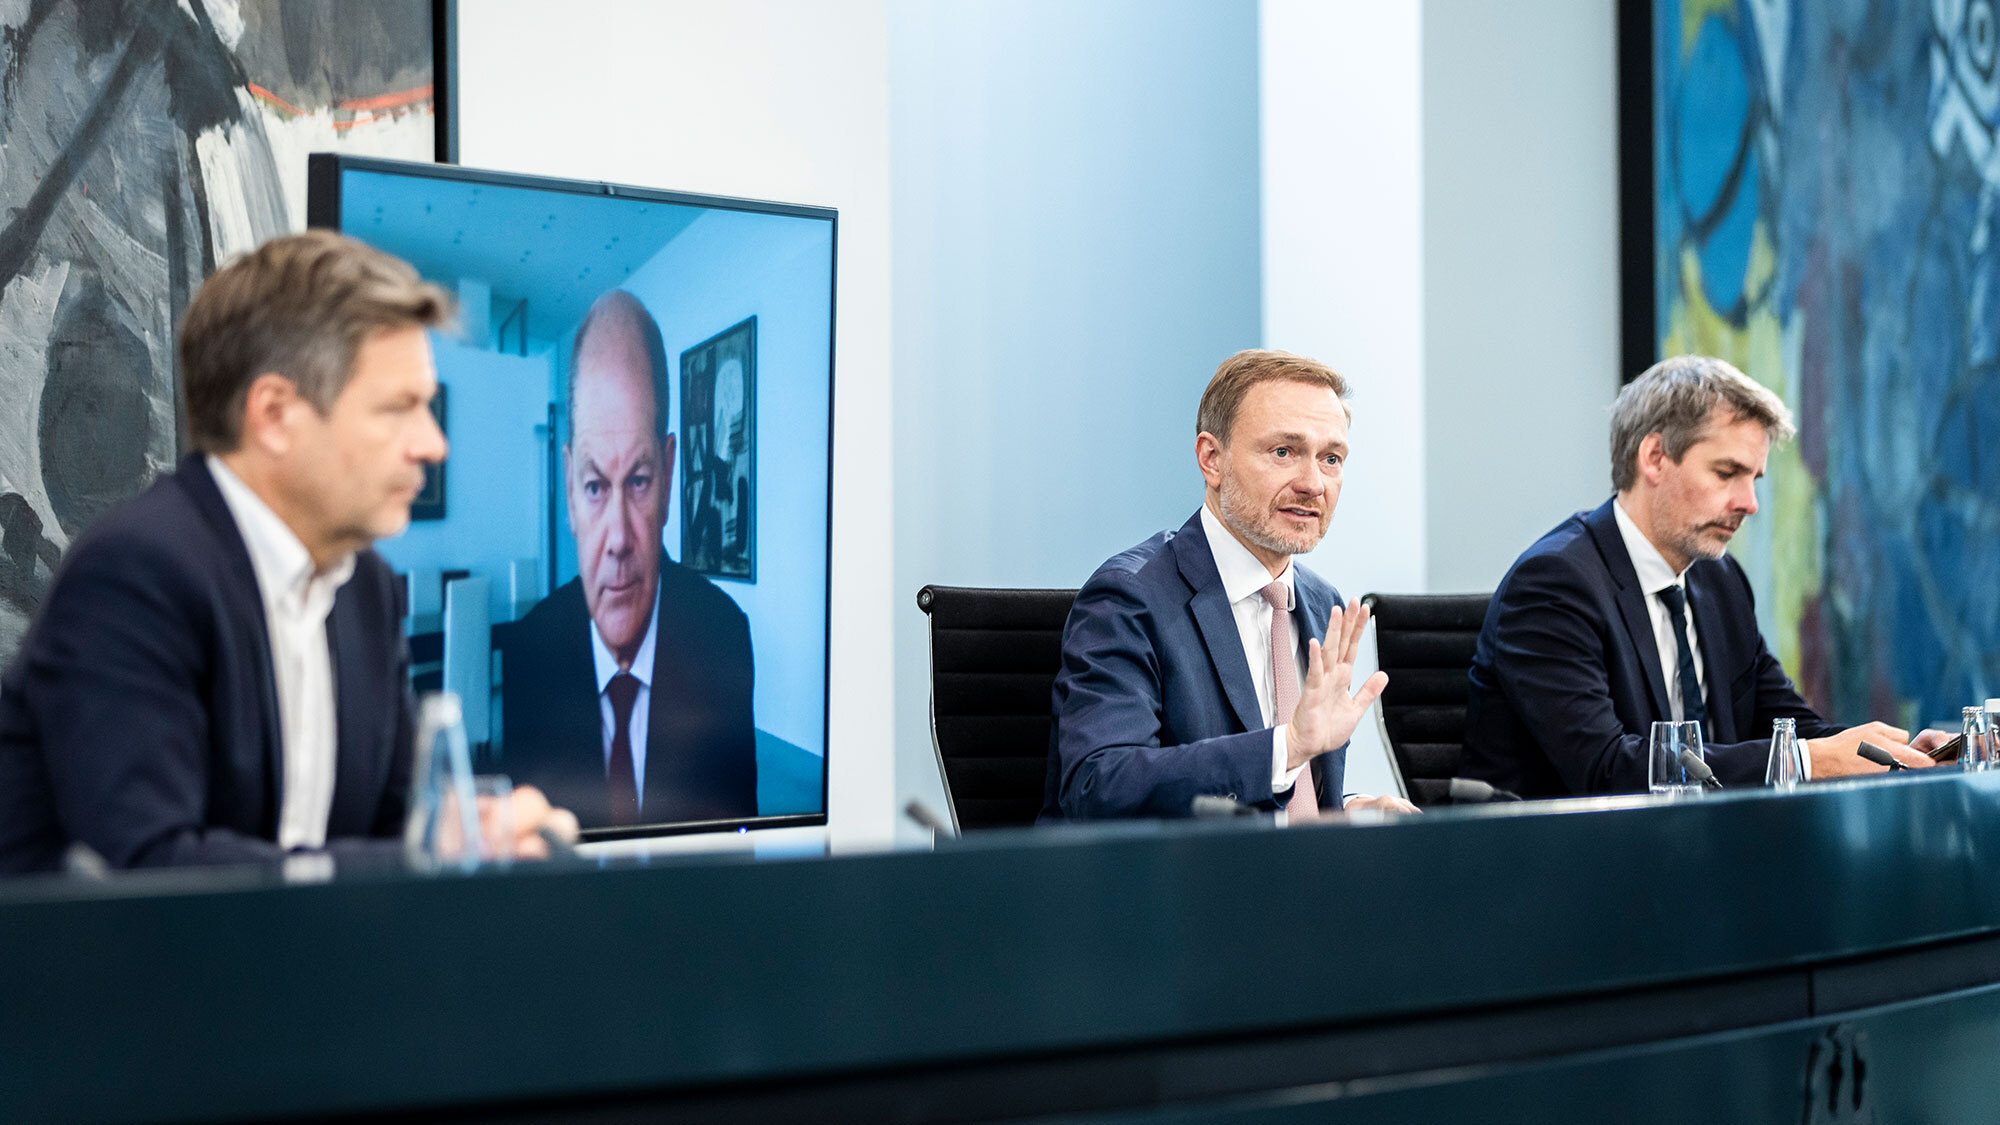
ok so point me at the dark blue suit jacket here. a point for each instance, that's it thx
(141, 715)
(1154, 704)
(701, 740)
(1566, 679)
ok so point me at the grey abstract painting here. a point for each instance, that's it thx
(142, 142)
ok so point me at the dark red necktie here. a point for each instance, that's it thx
(623, 689)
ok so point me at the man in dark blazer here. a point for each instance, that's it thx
(1205, 661)
(218, 674)
(626, 694)
(1633, 614)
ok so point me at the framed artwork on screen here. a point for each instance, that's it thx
(145, 144)
(719, 454)
(1812, 192)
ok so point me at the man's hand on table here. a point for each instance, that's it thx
(1836, 754)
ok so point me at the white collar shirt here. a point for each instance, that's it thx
(1655, 575)
(1243, 582)
(297, 598)
(642, 671)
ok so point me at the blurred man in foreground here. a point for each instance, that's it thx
(218, 674)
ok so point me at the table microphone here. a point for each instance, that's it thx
(1698, 769)
(1470, 791)
(1880, 756)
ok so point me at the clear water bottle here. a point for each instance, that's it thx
(1786, 768)
(1978, 733)
(443, 825)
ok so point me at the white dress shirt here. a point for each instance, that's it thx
(642, 671)
(1655, 575)
(1243, 582)
(297, 599)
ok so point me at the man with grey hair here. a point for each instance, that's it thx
(1633, 614)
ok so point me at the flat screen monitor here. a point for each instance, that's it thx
(622, 566)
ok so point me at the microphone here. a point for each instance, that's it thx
(921, 813)
(1880, 756)
(1698, 769)
(1471, 791)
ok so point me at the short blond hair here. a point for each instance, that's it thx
(1232, 381)
(299, 306)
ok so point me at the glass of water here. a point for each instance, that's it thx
(1664, 772)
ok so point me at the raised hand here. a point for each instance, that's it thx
(1327, 713)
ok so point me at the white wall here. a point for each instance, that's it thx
(1343, 176)
(781, 99)
(1076, 249)
(1520, 275)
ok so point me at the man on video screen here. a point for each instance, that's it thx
(626, 693)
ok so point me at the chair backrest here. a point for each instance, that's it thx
(1425, 643)
(994, 656)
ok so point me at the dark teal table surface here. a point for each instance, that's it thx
(1223, 969)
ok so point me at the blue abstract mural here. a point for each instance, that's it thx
(1825, 180)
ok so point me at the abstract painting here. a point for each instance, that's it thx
(1824, 178)
(719, 454)
(142, 142)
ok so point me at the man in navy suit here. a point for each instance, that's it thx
(1633, 614)
(1205, 661)
(218, 673)
(627, 692)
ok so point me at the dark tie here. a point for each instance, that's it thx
(623, 689)
(1693, 709)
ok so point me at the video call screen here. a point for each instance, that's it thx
(622, 566)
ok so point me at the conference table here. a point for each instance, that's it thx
(1829, 954)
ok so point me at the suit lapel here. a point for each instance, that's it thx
(1631, 600)
(352, 772)
(1717, 653)
(1212, 616)
(246, 605)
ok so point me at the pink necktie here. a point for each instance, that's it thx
(1304, 804)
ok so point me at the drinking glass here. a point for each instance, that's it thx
(1664, 772)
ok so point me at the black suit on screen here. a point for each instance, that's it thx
(141, 716)
(701, 742)
(1566, 679)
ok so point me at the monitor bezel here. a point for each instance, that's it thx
(323, 178)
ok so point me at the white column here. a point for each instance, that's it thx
(1343, 191)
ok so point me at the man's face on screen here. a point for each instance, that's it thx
(618, 471)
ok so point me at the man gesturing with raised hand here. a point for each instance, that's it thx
(1205, 661)
(1327, 711)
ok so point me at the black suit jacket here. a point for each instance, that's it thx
(701, 743)
(1566, 679)
(141, 716)
(1154, 704)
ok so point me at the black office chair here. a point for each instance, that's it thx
(994, 655)
(1425, 643)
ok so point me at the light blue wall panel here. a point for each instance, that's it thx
(1075, 194)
